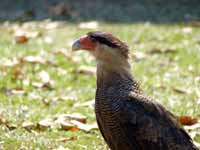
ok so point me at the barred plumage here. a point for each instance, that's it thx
(127, 119)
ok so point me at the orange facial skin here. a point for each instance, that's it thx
(87, 43)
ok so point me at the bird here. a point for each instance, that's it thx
(126, 117)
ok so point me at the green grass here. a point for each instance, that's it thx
(180, 69)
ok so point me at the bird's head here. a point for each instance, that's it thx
(104, 46)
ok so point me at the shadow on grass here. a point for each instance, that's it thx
(120, 11)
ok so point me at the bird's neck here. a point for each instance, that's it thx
(115, 75)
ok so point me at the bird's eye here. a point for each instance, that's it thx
(93, 39)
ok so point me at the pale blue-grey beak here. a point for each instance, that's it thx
(76, 45)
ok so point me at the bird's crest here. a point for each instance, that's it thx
(109, 40)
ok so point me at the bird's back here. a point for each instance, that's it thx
(131, 121)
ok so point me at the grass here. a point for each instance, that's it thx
(178, 69)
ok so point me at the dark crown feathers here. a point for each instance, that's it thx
(109, 40)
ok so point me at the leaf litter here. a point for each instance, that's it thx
(67, 122)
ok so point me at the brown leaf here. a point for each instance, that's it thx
(28, 125)
(11, 126)
(187, 120)
(180, 91)
(46, 102)
(160, 51)
(17, 74)
(34, 60)
(16, 91)
(84, 127)
(3, 121)
(41, 85)
(20, 37)
(86, 70)
(44, 124)
(76, 116)
(65, 125)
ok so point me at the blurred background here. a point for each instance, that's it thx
(129, 11)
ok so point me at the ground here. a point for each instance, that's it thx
(40, 76)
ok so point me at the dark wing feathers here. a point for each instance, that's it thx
(152, 126)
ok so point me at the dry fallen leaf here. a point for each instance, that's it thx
(89, 25)
(84, 127)
(34, 60)
(3, 121)
(41, 85)
(28, 125)
(86, 70)
(76, 116)
(17, 73)
(65, 125)
(20, 37)
(187, 120)
(11, 126)
(180, 91)
(45, 81)
(45, 123)
(44, 76)
(159, 51)
(61, 148)
(195, 126)
(16, 91)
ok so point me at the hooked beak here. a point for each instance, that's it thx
(76, 45)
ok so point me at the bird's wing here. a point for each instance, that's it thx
(151, 126)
